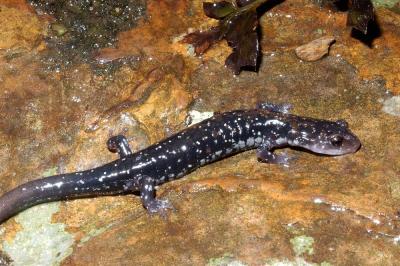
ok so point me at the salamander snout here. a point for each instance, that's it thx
(339, 144)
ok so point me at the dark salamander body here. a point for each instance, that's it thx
(265, 129)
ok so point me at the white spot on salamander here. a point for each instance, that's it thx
(242, 144)
(58, 184)
(274, 122)
(250, 142)
(280, 141)
(50, 185)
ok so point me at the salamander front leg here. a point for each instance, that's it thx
(147, 195)
(265, 154)
(119, 144)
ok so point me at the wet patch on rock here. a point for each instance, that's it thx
(81, 28)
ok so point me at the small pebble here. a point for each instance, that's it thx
(392, 106)
(314, 50)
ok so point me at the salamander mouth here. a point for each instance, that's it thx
(343, 151)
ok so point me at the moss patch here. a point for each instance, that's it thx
(40, 242)
(302, 245)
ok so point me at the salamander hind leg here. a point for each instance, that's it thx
(119, 144)
(278, 108)
(147, 195)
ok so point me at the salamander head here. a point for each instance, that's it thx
(324, 137)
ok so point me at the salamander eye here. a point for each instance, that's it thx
(336, 140)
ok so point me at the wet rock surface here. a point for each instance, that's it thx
(320, 210)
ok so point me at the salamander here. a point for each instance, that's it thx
(264, 128)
